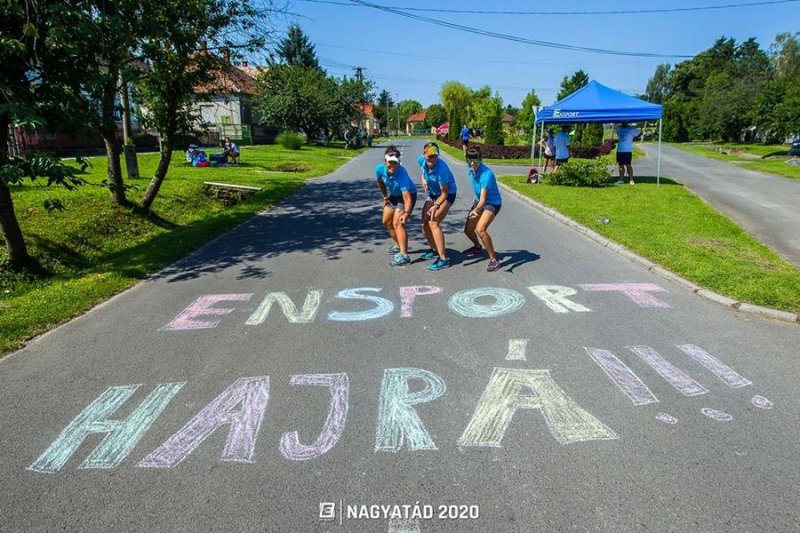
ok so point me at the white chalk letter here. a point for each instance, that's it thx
(555, 297)
(310, 306)
(565, 419)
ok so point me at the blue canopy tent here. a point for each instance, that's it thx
(595, 103)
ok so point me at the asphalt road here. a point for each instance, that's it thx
(286, 366)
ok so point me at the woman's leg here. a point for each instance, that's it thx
(400, 232)
(481, 228)
(469, 231)
(426, 230)
(388, 222)
(436, 230)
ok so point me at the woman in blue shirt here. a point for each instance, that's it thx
(486, 206)
(439, 183)
(399, 196)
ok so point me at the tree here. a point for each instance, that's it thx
(526, 115)
(34, 81)
(493, 109)
(382, 108)
(571, 84)
(785, 55)
(435, 115)
(456, 98)
(408, 108)
(657, 85)
(296, 49)
(304, 99)
(175, 51)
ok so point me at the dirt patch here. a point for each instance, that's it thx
(289, 167)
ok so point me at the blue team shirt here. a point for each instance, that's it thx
(465, 134)
(485, 179)
(436, 177)
(397, 183)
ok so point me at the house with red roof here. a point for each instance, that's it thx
(415, 122)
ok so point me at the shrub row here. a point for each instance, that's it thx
(498, 151)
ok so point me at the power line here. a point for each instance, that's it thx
(513, 38)
(570, 13)
(474, 60)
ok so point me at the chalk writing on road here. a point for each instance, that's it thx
(478, 303)
(403, 402)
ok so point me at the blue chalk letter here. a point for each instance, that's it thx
(123, 435)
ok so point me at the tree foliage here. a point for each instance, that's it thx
(724, 90)
(572, 83)
(435, 115)
(493, 111)
(295, 49)
(526, 115)
(305, 99)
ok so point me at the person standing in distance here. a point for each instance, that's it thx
(548, 145)
(484, 209)
(464, 138)
(561, 143)
(626, 134)
(399, 196)
(440, 185)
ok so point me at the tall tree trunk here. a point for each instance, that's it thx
(161, 173)
(108, 130)
(12, 234)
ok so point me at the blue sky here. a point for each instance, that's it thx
(412, 58)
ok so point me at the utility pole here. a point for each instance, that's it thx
(359, 73)
(397, 106)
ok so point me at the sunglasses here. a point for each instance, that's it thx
(473, 161)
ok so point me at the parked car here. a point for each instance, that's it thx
(794, 147)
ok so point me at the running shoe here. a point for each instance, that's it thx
(393, 250)
(632, 182)
(493, 265)
(473, 250)
(439, 264)
(430, 254)
(400, 260)
(619, 182)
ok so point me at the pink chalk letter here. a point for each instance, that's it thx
(637, 292)
(251, 393)
(204, 306)
(291, 447)
(409, 294)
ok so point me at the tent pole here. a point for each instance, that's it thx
(533, 141)
(540, 151)
(658, 165)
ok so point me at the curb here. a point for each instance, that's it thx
(742, 307)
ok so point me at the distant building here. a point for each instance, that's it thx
(415, 122)
(225, 104)
(367, 122)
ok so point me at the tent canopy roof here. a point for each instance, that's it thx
(597, 103)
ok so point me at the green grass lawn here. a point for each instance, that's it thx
(761, 158)
(93, 249)
(675, 229)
